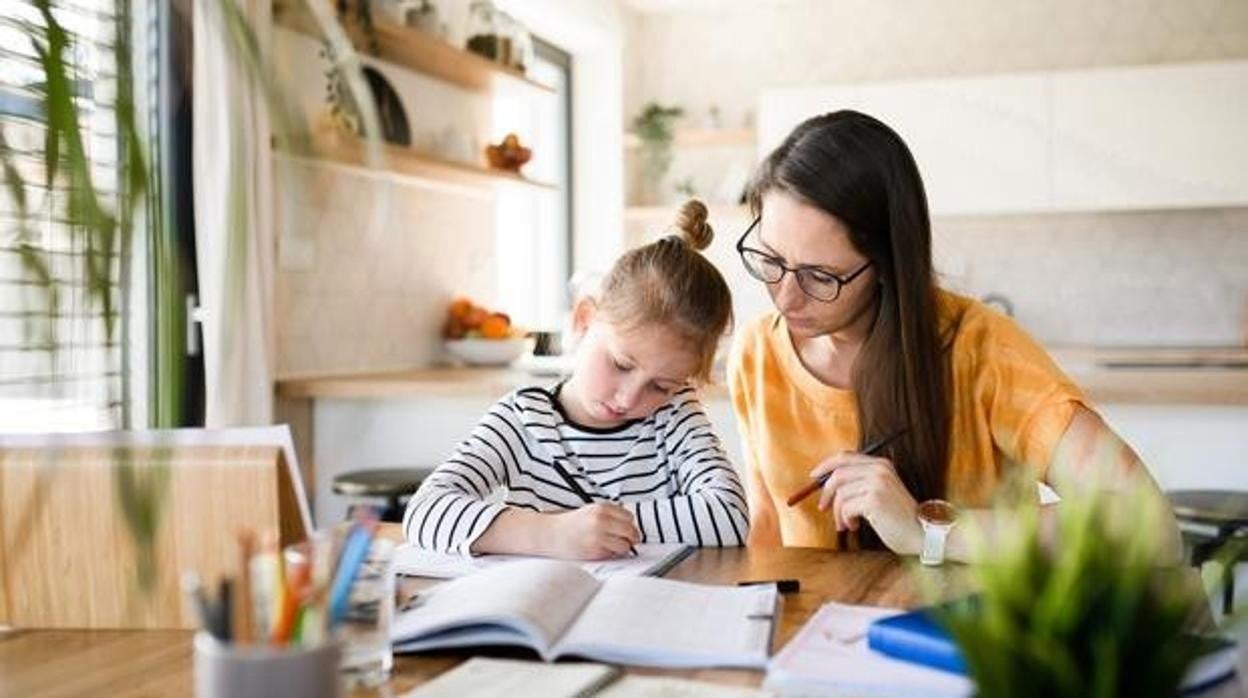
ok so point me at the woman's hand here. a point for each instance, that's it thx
(593, 532)
(867, 487)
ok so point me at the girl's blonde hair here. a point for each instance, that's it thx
(670, 283)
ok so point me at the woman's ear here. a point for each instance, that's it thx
(583, 312)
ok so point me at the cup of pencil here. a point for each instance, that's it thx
(286, 623)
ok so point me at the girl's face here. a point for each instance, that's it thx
(624, 374)
(804, 235)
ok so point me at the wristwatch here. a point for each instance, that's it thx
(936, 516)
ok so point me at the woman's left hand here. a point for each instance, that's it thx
(867, 487)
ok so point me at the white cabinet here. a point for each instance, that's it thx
(1127, 138)
(1151, 137)
(981, 144)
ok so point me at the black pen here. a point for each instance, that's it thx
(870, 450)
(572, 484)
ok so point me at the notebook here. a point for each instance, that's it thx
(829, 656)
(485, 677)
(916, 637)
(652, 559)
(558, 609)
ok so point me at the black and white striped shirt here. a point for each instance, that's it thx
(668, 469)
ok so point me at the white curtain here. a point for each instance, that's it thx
(234, 217)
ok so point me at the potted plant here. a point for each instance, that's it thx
(654, 128)
(1093, 616)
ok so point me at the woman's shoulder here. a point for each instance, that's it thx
(978, 335)
(753, 340)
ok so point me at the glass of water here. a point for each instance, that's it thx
(364, 633)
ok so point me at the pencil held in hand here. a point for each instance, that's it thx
(817, 483)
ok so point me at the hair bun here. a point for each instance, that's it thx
(692, 226)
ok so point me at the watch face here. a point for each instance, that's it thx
(938, 512)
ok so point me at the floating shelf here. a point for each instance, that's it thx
(350, 152)
(716, 211)
(421, 52)
(702, 137)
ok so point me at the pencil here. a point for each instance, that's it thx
(580, 492)
(818, 482)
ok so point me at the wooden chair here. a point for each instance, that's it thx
(69, 506)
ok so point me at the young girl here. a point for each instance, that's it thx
(619, 453)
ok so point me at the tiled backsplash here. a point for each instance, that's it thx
(386, 257)
(1172, 278)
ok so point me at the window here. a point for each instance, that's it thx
(533, 230)
(59, 369)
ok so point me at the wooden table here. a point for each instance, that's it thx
(158, 663)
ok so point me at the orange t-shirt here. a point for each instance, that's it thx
(1011, 405)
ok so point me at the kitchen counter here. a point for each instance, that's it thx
(1108, 376)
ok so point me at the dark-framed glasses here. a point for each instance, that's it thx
(817, 282)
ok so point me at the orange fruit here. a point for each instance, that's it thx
(496, 326)
(460, 307)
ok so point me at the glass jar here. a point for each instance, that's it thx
(521, 47)
(483, 30)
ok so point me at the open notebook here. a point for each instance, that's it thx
(652, 559)
(558, 609)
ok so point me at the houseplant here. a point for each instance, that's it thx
(1093, 615)
(654, 128)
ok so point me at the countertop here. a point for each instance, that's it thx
(1163, 376)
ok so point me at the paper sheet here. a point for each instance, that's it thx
(417, 562)
(829, 656)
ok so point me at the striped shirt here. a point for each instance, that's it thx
(668, 469)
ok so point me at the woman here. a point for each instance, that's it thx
(865, 347)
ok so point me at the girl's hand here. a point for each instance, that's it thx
(867, 487)
(593, 532)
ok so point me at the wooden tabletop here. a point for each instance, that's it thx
(158, 663)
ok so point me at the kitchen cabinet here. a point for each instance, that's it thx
(1147, 137)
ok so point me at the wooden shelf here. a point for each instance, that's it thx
(717, 212)
(420, 52)
(704, 137)
(405, 163)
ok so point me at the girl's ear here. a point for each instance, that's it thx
(583, 312)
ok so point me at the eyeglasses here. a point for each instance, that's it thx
(816, 282)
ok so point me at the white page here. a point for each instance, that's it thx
(418, 562)
(829, 656)
(527, 602)
(278, 435)
(633, 686)
(483, 677)
(665, 623)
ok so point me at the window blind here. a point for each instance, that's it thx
(60, 369)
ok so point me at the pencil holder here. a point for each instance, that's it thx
(260, 671)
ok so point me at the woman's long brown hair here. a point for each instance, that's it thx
(857, 169)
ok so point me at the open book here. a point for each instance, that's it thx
(558, 609)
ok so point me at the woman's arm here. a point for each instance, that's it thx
(1089, 458)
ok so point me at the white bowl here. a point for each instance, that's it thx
(489, 352)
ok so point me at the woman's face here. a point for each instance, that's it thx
(806, 236)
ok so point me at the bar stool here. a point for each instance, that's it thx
(1208, 520)
(392, 484)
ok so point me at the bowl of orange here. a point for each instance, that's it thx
(478, 336)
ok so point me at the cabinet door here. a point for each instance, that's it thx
(1151, 137)
(981, 143)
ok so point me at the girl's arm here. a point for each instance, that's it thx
(709, 507)
(450, 510)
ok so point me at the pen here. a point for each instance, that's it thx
(572, 484)
(784, 586)
(199, 601)
(818, 482)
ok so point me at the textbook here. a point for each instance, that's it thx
(558, 609)
(916, 637)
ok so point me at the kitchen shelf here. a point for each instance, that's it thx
(405, 163)
(706, 137)
(717, 212)
(421, 52)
